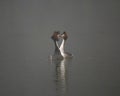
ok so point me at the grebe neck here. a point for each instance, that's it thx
(56, 47)
(62, 46)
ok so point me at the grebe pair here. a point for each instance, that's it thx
(59, 52)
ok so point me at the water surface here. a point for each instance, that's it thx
(25, 45)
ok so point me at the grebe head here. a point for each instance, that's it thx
(64, 36)
(55, 36)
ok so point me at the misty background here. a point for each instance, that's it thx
(93, 28)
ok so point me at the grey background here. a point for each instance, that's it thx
(93, 27)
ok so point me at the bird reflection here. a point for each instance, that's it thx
(61, 76)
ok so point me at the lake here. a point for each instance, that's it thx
(25, 46)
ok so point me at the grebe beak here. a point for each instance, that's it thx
(62, 35)
(59, 35)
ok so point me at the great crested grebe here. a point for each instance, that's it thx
(55, 37)
(62, 46)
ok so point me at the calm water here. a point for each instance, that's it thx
(25, 45)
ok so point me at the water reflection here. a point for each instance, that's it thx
(61, 76)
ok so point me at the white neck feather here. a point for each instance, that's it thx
(57, 44)
(62, 46)
(57, 50)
